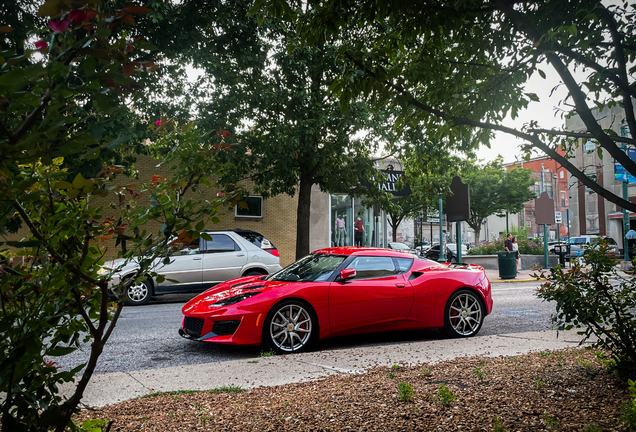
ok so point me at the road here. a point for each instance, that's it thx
(146, 336)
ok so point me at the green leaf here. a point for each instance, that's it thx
(200, 225)
(541, 73)
(206, 236)
(79, 181)
(50, 8)
(60, 351)
(62, 185)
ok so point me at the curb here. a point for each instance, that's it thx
(517, 280)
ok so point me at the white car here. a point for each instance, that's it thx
(201, 265)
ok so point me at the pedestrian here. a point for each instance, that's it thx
(508, 243)
(515, 248)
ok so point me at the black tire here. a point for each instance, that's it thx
(290, 327)
(464, 314)
(252, 273)
(138, 294)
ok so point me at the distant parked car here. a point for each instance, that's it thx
(580, 243)
(201, 264)
(401, 247)
(450, 254)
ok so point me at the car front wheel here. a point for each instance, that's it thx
(290, 327)
(138, 293)
(464, 314)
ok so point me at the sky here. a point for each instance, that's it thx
(543, 112)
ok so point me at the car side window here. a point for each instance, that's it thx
(373, 267)
(189, 248)
(220, 243)
(403, 264)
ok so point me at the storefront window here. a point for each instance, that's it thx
(341, 220)
(353, 224)
(362, 224)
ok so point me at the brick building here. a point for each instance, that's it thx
(552, 178)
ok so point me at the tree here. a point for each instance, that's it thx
(54, 293)
(463, 65)
(290, 133)
(493, 189)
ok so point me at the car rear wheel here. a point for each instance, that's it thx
(290, 326)
(464, 314)
(253, 273)
(139, 293)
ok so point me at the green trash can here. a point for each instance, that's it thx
(507, 264)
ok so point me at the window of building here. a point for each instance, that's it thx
(593, 178)
(561, 174)
(590, 145)
(253, 208)
(625, 131)
(563, 204)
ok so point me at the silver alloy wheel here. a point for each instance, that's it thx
(138, 292)
(290, 328)
(465, 314)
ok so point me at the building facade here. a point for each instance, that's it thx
(551, 177)
(592, 213)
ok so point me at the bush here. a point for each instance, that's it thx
(599, 302)
(491, 248)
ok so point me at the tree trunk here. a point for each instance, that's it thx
(302, 216)
(477, 229)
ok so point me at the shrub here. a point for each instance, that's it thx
(600, 302)
(491, 248)
(405, 392)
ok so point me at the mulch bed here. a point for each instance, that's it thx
(560, 390)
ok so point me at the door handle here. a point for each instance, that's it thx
(400, 285)
(196, 259)
(241, 254)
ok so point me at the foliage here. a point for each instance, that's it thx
(405, 392)
(444, 395)
(55, 296)
(493, 189)
(600, 302)
(498, 425)
(459, 68)
(526, 247)
(628, 408)
(290, 133)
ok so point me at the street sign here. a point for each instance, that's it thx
(558, 217)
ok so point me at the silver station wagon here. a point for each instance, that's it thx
(200, 265)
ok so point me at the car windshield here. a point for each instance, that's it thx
(312, 268)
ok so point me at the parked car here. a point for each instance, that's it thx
(580, 243)
(450, 254)
(340, 291)
(401, 247)
(201, 264)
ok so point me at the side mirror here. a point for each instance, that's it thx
(347, 273)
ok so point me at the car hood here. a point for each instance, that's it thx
(229, 289)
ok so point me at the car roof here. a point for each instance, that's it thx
(365, 251)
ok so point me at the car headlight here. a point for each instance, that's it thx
(235, 299)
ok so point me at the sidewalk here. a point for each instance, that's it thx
(522, 276)
(110, 388)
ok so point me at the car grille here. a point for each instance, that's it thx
(193, 326)
(224, 328)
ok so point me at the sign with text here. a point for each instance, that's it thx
(558, 218)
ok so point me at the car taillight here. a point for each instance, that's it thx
(273, 252)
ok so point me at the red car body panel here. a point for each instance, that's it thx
(414, 299)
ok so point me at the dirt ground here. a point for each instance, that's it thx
(566, 390)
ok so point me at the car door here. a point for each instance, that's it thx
(183, 273)
(223, 259)
(433, 253)
(379, 293)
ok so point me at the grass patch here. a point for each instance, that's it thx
(227, 389)
(171, 392)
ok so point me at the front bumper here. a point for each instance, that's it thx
(245, 329)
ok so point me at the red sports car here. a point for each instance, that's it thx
(340, 291)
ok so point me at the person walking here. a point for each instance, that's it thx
(515, 249)
(508, 243)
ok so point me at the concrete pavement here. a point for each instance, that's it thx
(105, 389)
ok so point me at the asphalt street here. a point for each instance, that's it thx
(146, 337)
